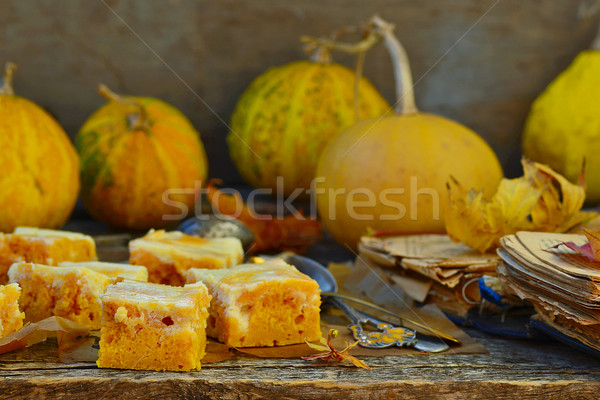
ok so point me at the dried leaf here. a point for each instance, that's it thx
(541, 200)
(292, 232)
(330, 353)
(316, 346)
(591, 250)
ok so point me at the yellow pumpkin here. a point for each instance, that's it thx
(390, 173)
(288, 114)
(40, 179)
(563, 126)
(141, 162)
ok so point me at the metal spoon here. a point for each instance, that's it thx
(387, 334)
(217, 226)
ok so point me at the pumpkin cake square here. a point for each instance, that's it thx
(256, 305)
(69, 292)
(43, 246)
(149, 326)
(11, 318)
(116, 270)
(168, 255)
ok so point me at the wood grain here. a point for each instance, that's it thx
(513, 369)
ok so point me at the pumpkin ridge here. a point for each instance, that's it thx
(22, 150)
(94, 160)
(244, 134)
(287, 166)
(103, 176)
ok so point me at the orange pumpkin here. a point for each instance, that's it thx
(39, 179)
(390, 174)
(141, 161)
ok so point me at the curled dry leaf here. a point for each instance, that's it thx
(292, 232)
(330, 353)
(591, 250)
(540, 200)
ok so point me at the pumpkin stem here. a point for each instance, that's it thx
(359, 48)
(360, 63)
(405, 95)
(319, 50)
(7, 88)
(139, 120)
(320, 54)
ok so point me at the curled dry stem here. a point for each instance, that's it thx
(140, 120)
(378, 30)
(7, 88)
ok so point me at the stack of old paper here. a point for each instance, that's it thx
(433, 268)
(563, 286)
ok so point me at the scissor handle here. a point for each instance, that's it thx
(386, 335)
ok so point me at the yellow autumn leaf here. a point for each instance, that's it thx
(541, 200)
(560, 201)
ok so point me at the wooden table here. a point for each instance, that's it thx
(512, 369)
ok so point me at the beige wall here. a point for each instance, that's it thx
(487, 81)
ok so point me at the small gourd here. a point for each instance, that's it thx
(141, 162)
(390, 174)
(288, 114)
(40, 168)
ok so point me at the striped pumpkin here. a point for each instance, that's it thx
(39, 179)
(141, 159)
(288, 114)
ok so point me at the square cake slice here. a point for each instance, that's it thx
(43, 246)
(155, 327)
(267, 304)
(168, 255)
(126, 271)
(11, 318)
(70, 292)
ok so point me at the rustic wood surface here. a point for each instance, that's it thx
(524, 369)
(513, 369)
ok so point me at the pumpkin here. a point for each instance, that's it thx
(142, 162)
(40, 179)
(287, 115)
(563, 126)
(390, 174)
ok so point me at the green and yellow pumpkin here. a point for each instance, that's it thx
(288, 114)
(141, 162)
(40, 178)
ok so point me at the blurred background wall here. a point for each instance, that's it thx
(480, 62)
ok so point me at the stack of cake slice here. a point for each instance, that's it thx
(70, 291)
(160, 325)
(153, 327)
(43, 246)
(168, 255)
(266, 304)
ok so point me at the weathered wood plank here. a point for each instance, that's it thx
(523, 369)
